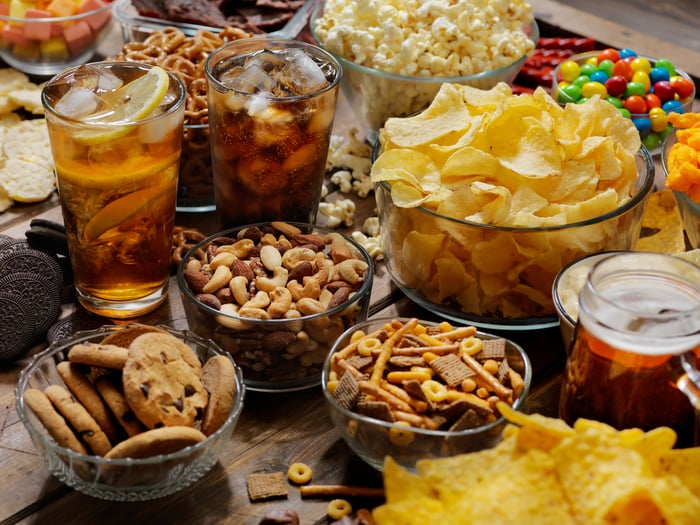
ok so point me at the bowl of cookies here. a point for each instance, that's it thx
(413, 389)
(276, 296)
(130, 413)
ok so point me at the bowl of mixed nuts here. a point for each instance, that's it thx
(276, 296)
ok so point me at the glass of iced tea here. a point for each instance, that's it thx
(634, 357)
(271, 109)
(116, 133)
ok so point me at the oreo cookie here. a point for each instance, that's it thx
(31, 260)
(16, 325)
(10, 246)
(48, 236)
(69, 325)
(41, 292)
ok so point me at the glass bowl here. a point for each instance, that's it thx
(651, 138)
(373, 439)
(280, 347)
(136, 28)
(689, 209)
(45, 41)
(127, 479)
(375, 95)
(493, 295)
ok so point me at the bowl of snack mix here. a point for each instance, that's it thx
(485, 196)
(644, 89)
(679, 158)
(45, 39)
(100, 430)
(413, 389)
(393, 64)
(276, 296)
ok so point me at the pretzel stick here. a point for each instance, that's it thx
(340, 490)
(502, 391)
(387, 347)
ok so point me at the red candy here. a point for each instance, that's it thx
(616, 85)
(664, 90)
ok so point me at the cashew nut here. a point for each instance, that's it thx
(285, 228)
(293, 313)
(280, 302)
(239, 248)
(234, 323)
(351, 271)
(324, 268)
(292, 257)
(259, 301)
(279, 278)
(299, 346)
(253, 313)
(222, 259)
(239, 289)
(309, 306)
(222, 275)
(310, 289)
(340, 251)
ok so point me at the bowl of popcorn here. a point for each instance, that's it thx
(644, 89)
(46, 38)
(413, 389)
(130, 413)
(485, 196)
(393, 63)
(276, 296)
(679, 158)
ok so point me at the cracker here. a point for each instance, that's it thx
(492, 349)
(347, 391)
(470, 419)
(451, 369)
(26, 180)
(359, 361)
(266, 485)
(406, 361)
(376, 409)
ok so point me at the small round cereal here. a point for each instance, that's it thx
(338, 509)
(299, 473)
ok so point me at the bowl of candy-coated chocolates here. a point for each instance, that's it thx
(644, 89)
(421, 403)
(44, 39)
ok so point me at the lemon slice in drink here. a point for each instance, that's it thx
(130, 103)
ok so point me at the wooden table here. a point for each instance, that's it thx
(273, 432)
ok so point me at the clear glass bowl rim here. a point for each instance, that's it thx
(527, 378)
(534, 36)
(364, 290)
(82, 335)
(55, 19)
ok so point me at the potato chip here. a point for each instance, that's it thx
(683, 463)
(514, 163)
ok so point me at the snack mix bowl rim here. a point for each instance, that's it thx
(332, 405)
(686, 205)
(643, 185)
(61, 461)
(48, 67)
(362, 294)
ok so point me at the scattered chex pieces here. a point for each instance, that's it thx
(266, 485)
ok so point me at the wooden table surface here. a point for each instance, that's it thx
(274, 430)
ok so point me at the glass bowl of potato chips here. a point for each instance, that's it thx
(393, 65)
(485, 196)
(679, 178)
(414, 389)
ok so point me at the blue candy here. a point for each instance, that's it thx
(673, 106)
(599, 76)
(643, 125)
(658, 73)
(626, 52)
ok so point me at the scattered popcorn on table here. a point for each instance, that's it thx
(349, 162)
(338, 212)
(370, 243)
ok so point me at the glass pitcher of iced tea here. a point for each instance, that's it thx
(636, 347)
